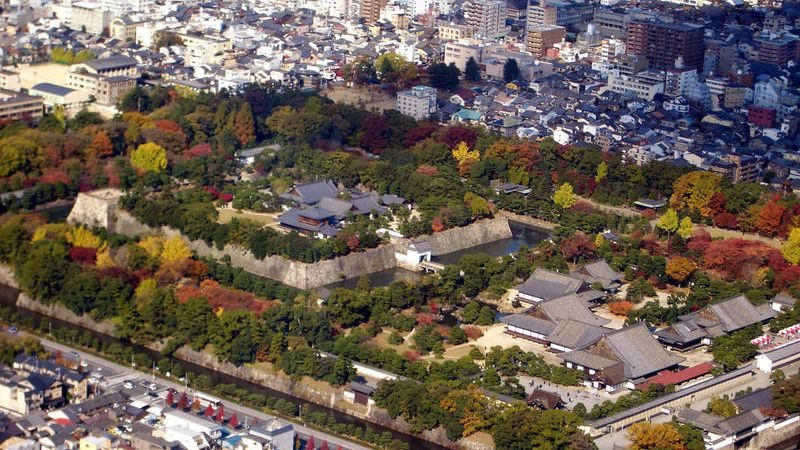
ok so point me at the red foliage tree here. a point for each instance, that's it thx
(424, 318)
(736, 258)
(621, 308)
(584, 207)
(102, 144)
(220, 413)
(787, 277)
(168, 125)
(233, 421)
(769, 219)
(199, 150)
(183, 401)
(170, 400)
(411, 355)
(83, 255)
(649, 214)
(324, 446)
(419, 133)
(209, 411)
(427, 170)
(310, 443)
(726, 220)
(437, 224)
(473, 332)
(374, 138)
(352, 241)
(576, 246)
(717, 203)
(54, 176)
(454, 135)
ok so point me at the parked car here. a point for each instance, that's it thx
(12, 330)
(127, 384)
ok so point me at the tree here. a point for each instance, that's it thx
(233, 421)
(791, 248)
(602, 172)
(472, 71)
(220, 413)
(695, 190)
(722, 406)
(183, 401)
(244, 126)
(17, 153)
(209, 411)
(486, 316)
(511, 70)
(668, 222)
(170, 400)
(769, 218)
(443, 76)
(457, 336)
(564, 196)
(310, 444)
(654, 436)
(149, 157)
(679, 268)
(686, 228)
(102, 144)
(174, 250)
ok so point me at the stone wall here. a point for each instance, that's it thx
(61, 313)
(99, 209)
(481, 232)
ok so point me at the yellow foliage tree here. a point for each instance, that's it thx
(50, 231)
(464, 156)
(146, 289)
(646, 436)
(473, 404)
(174, 250)
(694, 190)
(152, 245)
(83, 237)
(149, 157)
(564, 196)
(104, 259)
(791, 248)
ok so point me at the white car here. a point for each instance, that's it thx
(127, 384)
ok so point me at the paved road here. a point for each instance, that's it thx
(115, 374)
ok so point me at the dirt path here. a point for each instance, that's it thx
(628, 212)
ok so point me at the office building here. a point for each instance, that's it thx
(573, 16)
(91, 18)
(419, 102)
(16, 106)
(663, 43)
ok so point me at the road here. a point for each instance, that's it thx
(115, 374)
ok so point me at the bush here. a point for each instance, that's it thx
(620, 308)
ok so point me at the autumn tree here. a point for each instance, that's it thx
(564, 196)
(769, 218)
(233, 421)
(244, 126)
(602, 172)
(577, 246)
(174, 250)
(791, 248)
(686, 228)
(149, 157)
(652, 436)
(183, 401)
(679, 268)
(170, 400)
(220, 413)
(464, 156)
(695, 190)
(668, 222)
(102, 144)
(722, 406)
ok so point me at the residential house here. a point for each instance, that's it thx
(278, 433)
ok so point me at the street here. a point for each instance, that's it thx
(115, 375)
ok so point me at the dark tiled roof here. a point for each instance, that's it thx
(640, 352)
(112, 62)
(53, 89)
(574, 335)
(547, 284)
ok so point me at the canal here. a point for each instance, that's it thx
(521, 235)
(8, 298)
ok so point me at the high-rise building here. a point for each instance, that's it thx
(371, 9)
(561, 13)
(486, 17)
(663, 43)
(540, 38)
(775, 48)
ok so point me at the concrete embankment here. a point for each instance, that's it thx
(100, 209)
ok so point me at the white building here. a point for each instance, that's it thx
(89, 17)
(644, 85)
(767, 92)
(276, 432)
(419, 102)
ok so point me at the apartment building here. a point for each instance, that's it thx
(207, 49)
(89, 17)
(418, 102)
(645, 84)
(540, 38)
(663, 43)
(486, 17)
(453, 32)
(459, 53)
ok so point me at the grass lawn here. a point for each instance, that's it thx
(382, 341)
(226, 214)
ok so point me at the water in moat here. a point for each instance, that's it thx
(521, 235)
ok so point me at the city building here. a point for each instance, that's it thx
(645, 84)
(370, 10)
(486, 17)
(203, 49)
(663, 43)
(16, 106)
(540, 38)
(91, 18)
(418, 102)
(453, 32)
(9, 80)
(459, 53)
(776, 48)
(761, 117)
(569, 15)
